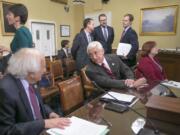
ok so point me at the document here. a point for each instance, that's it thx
(121, 97)
(80, 127)
(123, 49)
(172, 84)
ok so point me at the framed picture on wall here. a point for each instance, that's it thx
(159, 20)
(6, 28)
(65, 30)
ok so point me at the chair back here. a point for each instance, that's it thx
(71, 93)
(56, 69)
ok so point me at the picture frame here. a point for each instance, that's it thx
(157, 21)
(65, 30)
(7, 30)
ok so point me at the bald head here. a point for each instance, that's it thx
(96, 52)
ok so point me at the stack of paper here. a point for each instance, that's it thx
(123, 49)
(121, 97)
(80, 127)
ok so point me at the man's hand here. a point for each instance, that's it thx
(129, 83)
(57, 123)
(53, 115)
(140, 83)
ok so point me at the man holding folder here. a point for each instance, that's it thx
(129, 36)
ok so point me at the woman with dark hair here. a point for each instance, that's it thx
(149, 66)
(17, 16)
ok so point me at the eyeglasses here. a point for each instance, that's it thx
(102, 20)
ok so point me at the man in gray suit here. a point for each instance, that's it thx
(108, 71)
(81, 42)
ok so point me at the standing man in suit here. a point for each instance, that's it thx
(129, 36)
(22, 111)
(104, 34)
(80, 43)
(108, 71)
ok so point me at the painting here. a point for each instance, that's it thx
(65, 30)
(159, 20)
(6, 28)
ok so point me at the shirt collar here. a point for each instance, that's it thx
(127, 28)
(25, 83)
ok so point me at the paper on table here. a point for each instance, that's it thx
(79, 127)
(123, 49)
(172, 84)
(119, 96)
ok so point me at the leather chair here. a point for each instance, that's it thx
(69, 66)
(71, 94)
(57, 70)
(87, 84)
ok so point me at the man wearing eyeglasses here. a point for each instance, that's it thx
(104, 34)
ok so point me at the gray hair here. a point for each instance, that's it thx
(94, 44)
(26, 60)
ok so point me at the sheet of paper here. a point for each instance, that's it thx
(123, 49)
(172, 84)
(79, 127)
(119, 96)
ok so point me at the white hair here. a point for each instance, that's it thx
(26, 60)
(94, 44)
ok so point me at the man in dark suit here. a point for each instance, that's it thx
(104, 34)
(80, 43)
(108, 71)
(129, 36)
(64, 52)
(22, 111)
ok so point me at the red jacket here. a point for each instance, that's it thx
(151, 71)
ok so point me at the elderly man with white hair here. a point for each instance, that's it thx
(22, 111)
(108, 71)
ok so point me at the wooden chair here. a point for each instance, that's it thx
(69, 64)
(57, 70)
(87, 84)
(71, 94)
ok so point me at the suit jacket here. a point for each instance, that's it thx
(119, 69)
(16, 116)
(148, 69)
(131, 37)
(98, 36)
(79, 50)
(61, 54)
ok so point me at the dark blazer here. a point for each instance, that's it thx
(120, 70)
(148, 69)
(61, 54)
(98, 36)
(16, 117)
(79, 50)
(131, 37)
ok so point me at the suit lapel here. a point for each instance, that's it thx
(101, 32)
(111, 63)
(24, 99)
(85, 37)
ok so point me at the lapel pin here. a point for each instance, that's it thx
(113, 64)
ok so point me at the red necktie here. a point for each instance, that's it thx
(108, 71)
(122, 35)
(34, 103)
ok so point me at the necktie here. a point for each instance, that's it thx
(105, 33)
(34, 103)
(123, 33)
(109, 72)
